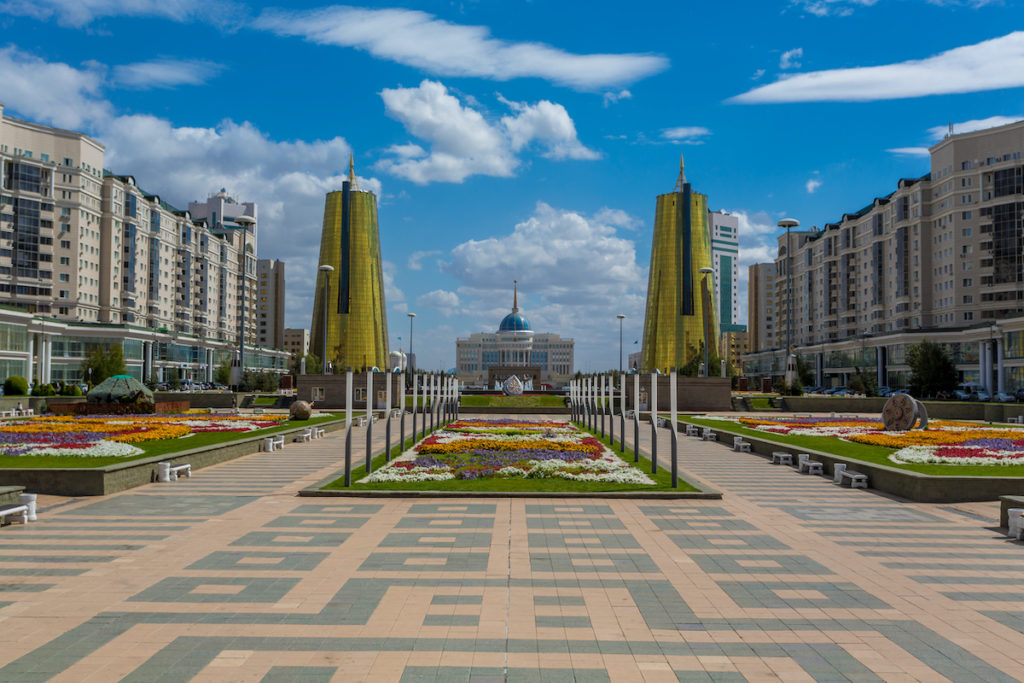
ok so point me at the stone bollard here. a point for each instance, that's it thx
(837, 472)
(29, 500)
(163, 471)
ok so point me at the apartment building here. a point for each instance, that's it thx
(269, 304)
(725, 250)
(940, 255)
(761, 320)
(296, 341)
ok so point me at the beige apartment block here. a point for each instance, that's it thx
(296, 341)
(270, 303)
(761, 319)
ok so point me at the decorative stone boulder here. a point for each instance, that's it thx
(902, 412)
(301, 410)
(513, 386)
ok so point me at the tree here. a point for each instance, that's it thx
(102, 363)
(312, 365)
(222, 375)
(931, 369)
(862, 383)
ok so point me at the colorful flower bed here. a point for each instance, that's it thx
(509, 449)
(113, 435)
(944, 442)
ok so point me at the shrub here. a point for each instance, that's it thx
(15, 386)
(71, 390)
(44, 390)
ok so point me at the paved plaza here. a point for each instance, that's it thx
(228, 576)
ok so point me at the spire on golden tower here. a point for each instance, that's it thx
(352, 172)
(682, 175)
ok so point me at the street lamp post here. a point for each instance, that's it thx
(704, 305)
(412, 367)
(789, 223)
(620, 317)
(246, 222)
(327, 270)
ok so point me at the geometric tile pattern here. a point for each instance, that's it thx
(227, 576)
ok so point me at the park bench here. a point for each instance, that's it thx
(304, 436)
(25, 412)
(630, 414)
(257, 411)
(1015, 523)
(708, 435)
(1016, 420)
(739, 445)
(272, 442)
(804, 465)
(168, 472)
(318, 432)
(692, 430)
(841, 474)
(6, 413)
(782, 458)
(12, 510)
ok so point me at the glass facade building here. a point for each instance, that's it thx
(679, 296)
(357, 332)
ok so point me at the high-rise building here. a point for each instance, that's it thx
(296, 341)
(270, 303)
(725, 250)
(514, 349)
(357, 329)
(733, 344)
(761, 319)
(680, 311)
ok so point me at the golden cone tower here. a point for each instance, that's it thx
(675, 323)
(357, 329)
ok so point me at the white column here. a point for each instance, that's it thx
(30, 365)
(982, 352)
(44, 359)
(348, 397)
(1000, 381)
(369, 394)
(390, 378)
(636, 397)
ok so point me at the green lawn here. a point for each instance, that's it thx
(265, 401)
(663, 478)
(525, 401)
(761, 403)
(152, 448)
(878, 455)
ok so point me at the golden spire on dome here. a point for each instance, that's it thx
(515, 296)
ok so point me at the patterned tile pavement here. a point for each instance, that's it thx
(228, 576)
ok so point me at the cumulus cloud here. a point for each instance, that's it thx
(462, 142)
(757, 75)
(989, 65)
(812, 185)
(423, 41)
(61, 94)
(617, 218)
(575, 274)
(910, 151)
(165, 73)
(757, 238)
(417, 256)
(824, 8)
(690, 135)
(790, 59)
(78, 13)
(447, 303)
(937, 133)
(611, 98)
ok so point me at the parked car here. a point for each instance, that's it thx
(964, 391)
(884, 391)
(1003, 397)
(980, 395)
(837, 391)
(1019, 394)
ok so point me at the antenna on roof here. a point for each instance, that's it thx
(682, 175)
(950, 130)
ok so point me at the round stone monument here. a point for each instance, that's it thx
(301, 410)
(902, 412)
(513, 386)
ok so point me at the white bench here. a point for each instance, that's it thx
(708, 435)
(739, 445)
(1015, 523)
(782, 458)
(257, 411)
(630, 414)
(1016, 420)
(21, 510)
(25, 412)
(804, 465)
(692, 430)
(272, 442)
(318, 432)
(304, 436)
(841, 474)
(10, 413)
(168, 472)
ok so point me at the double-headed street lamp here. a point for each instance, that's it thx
(621, 317)
(326, 270)
(704, 305)
(244, 223)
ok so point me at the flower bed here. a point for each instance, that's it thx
(944, 442)
(509, 449)
(114, 435)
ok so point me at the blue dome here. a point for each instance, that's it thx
(513, 322)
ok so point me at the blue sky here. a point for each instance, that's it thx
(515, 140)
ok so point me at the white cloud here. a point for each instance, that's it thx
(611, 98)
(937, 133)
(165, 73)
(989, 65)
(910, 151)
(790, 59)
(78, 13)
(812, 185)
(686, 134)
(439, 47)
(463, 142)
(392, 294)
(50, 91)
(417, 256)
(757, 75)
(617, 218)
(824, 8)
(757, 237)
(447, 303)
